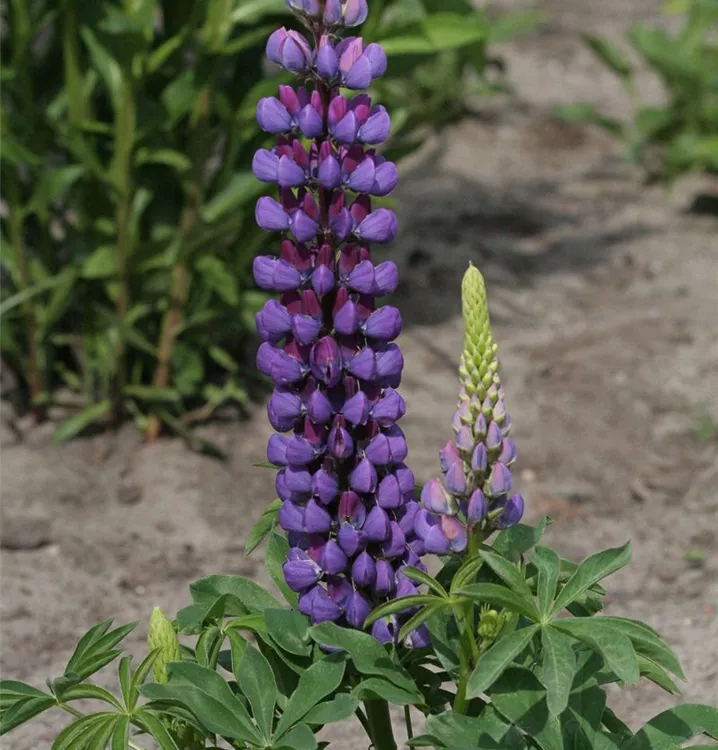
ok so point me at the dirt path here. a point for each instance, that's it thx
(604, 300)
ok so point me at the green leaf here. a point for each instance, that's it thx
(139, 677)
(251, 597)
(218, 278)
(610, 55)
(158, 731)
(669, 730)
(23, 709)
(497, 659)
(76, 735)
(417, 620)
(209, 698)
(583, 112)
(651, 671)
(414, 574)
(559, 668)
(105, 64)
(275, 557)
(299, 737)
(502, 597)
(50, 186)
(485, 732)
(320, 680)
(261, 529)
(12, 691)
(591, 571)
(507, 572)
(548, 564)
(96, 646)
(79, 422)
(377, 688)
(90, 692)
(103, 734)
(223, 359)
(368, 655)
(289, 630)
(521, 698)
(514, 542)
(614, 647)
(121, 736)
(242, 189)
(255, 679)
(331, 712)
(165, 156)
(400, 605)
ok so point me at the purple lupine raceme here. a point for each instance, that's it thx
(349, 508)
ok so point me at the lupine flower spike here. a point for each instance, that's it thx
(475, 497)
(348, 497)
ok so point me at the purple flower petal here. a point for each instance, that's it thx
(285, 370)
(322, 280)
(289, 173)
(340, 443)
(274, 45)
(361, 279)
(389, 494)
(387, 278)
(380, 226)
(478, 507)
(513, 512)
(376, 129)
(435, 498)
(277, 450)
(377, 525)
(455, 532)
(346, 319)
(310, 122)
(385, 630)
(325, 486)
(291, 517)
(330, 173)
(356, 409)
(351, 540)
(386, 179)
(363, 365)
(359, 76)
(300, 452)
(499, 481)
(333, 560)
(363, 478)
(384, 324)
(265, 165)
(456, 479)
(316, 519)
(395, 546)
(390, 409)
(377, 59)
(284, 409)
(364, 570)
(273, 117)
(271, 216)
(301, 573)
(356, 610)
(298, 480)
(326, 361)
(385, 583)
(479, 459)
(319, 408)
(327, 60)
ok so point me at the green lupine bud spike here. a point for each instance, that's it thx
(161, 635)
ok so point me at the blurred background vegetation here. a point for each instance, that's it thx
(128, 131)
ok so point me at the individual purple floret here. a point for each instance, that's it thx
(348, 497)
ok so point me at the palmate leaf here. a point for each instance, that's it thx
(548, 564)
(400, 605)
(507, 572)
(418, 576)
(257, 682)
(671, 729)
(96, 649)
(20, 703)
(501, 596)
(157, 729)
(559, 668)
(289, 630)
(79, 734)
(340, 708)
(243, 596)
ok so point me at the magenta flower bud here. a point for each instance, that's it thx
(380, 226)
(316, 519)
(273, 117)
(449, 455)
(385, 583)
(271, 216)
(479, 459)
(478, 507)
(494, 438)
(325, 486)
(277, 450)
(301, 572)
(499, 481)
(291, 517)
(356, 409)
(513, 512)
(390, 409)
(465, 440)
(386, 179)
(351, 509)
(317, 605)
(363, 365)
(325, 361)
(364, 570)
(284, 409)
(376, 129)
(351, 540)
(435, 498)
(389, 494)
(395, 545)
(363, 478)
(456, 479)
(333, 560)
(419, 638)
(377, 525)
(322, 280)
(346, 319)
(330, 173)
(356, 610)
(384, 324)
(298, 479)
(265, 166)
(386, 276)
(377, 59)
(299, 451)
(385, 630)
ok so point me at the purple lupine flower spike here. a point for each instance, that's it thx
(348, 503)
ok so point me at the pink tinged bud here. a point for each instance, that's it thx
(265, 165)
(364, 570)
(330, 173)
(355, 12)
(377, 59)
(480, 428)
(346, 319)
(386, 276)
(455, 532)
(302, 572)
(325, 361)
(291, 517)
(381, 226)
(384, 324)
(513, 512)
(356, 409)
(389, 494)
(332, 12)
(376, 129)
(351, 540)
(363, 478)
(377, 525)
(363, 178)
(289, 173)
(499, 481)
(359, 76)
(340, 443)
(499, 412)
(274, 45)
(386, 179)
(494, 438)
(289, 99)
(285, 370)
(435, 498)
(273, 117)
(478, 507)
(389, 409)
(363, 365)
(316, 519)
(455, 479)
(479, 459)
(337, 111)
(271, 216)
(356, 610)
(351, 509)
(296, 54)
(277, 450)
(395, 545)
(322, 280)
(465, 440)
(385, 630)
(449, 455)
(311, 8)
(333, 560)
(508, 452)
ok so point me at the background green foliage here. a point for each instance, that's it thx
(682, 134)
(128, 231)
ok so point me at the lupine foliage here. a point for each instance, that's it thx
(128, 232)
(502, 649)
(680, 135)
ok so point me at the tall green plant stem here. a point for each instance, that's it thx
(469, 654)
(379, 720)
(125, 123)
(179, 285)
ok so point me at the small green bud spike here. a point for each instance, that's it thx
(479, 365)
(162, 636)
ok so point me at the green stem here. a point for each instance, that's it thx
(379, 720)
(407, 721)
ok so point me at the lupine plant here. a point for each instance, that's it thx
(502, 648)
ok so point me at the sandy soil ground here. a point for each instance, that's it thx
(604, 297)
